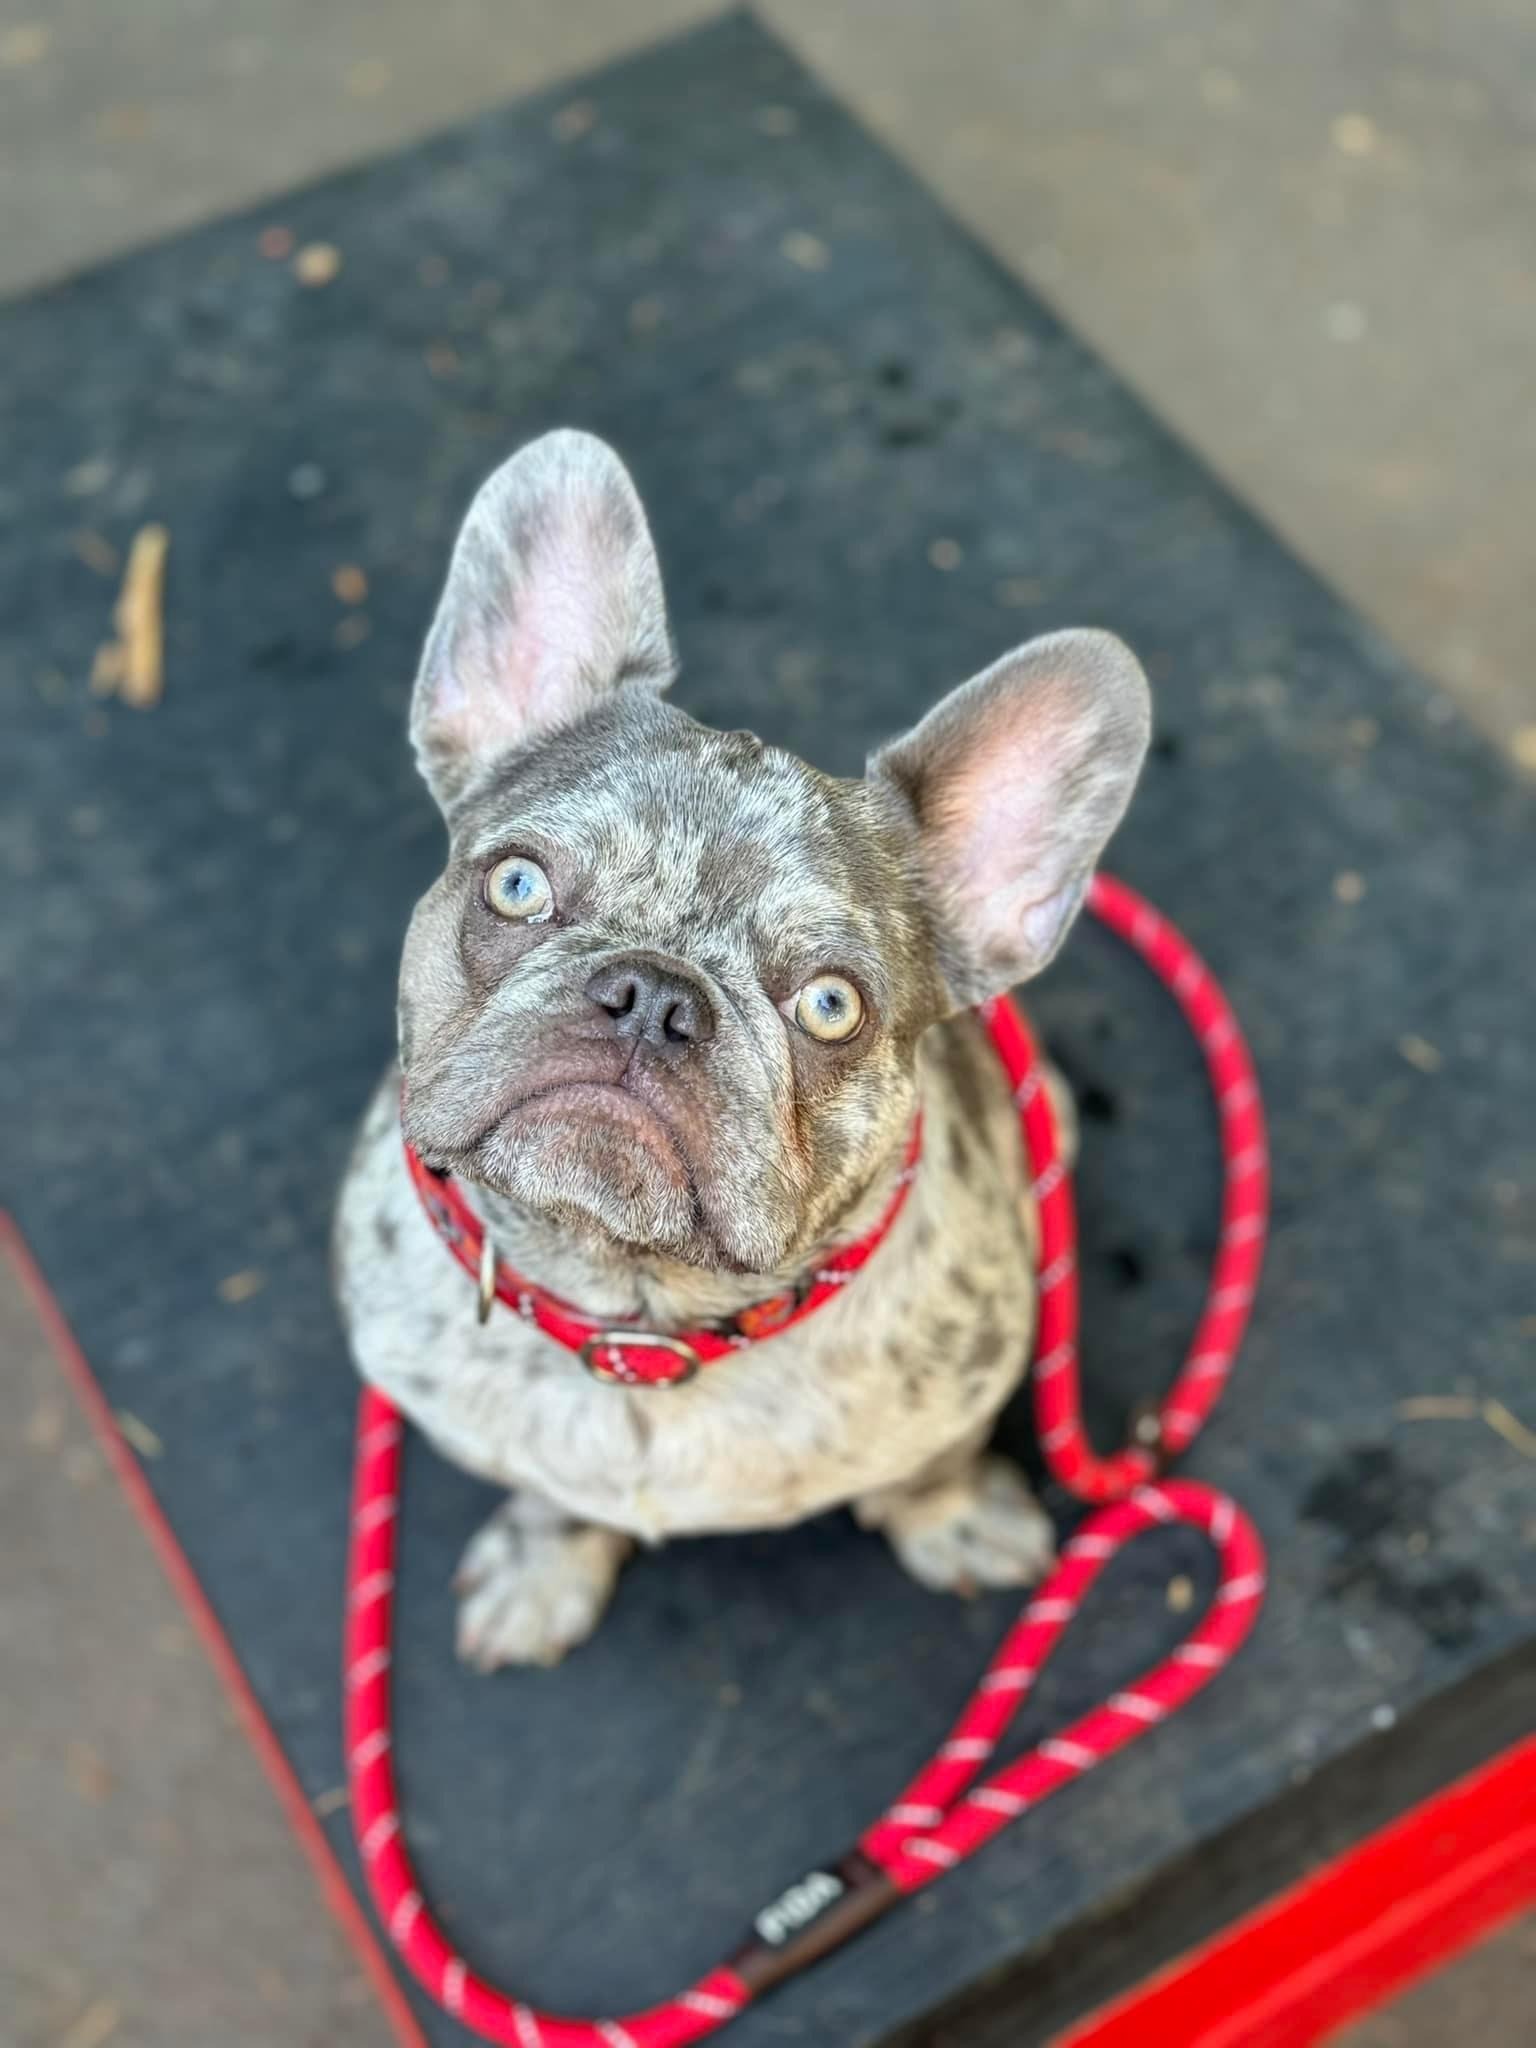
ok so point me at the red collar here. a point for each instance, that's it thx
(620, 1350)
(616, 1348)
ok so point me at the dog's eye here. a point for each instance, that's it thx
(519, 888)
(829, 1008)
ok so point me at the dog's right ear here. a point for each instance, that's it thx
(1014, 782)
(553, 601)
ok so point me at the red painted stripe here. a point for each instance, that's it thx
(1354, 1934)
(174, 1562)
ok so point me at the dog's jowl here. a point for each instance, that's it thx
(669, 1018)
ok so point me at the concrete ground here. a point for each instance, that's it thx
(151, 1894)
(1301, 231)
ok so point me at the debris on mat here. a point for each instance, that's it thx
(137, 1432)
(133, 665)
(317, 264)
(1468, 1408)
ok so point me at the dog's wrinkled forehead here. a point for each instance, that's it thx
(698, 841)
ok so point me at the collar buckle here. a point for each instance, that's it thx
(604, 1354)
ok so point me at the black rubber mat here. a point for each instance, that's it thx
(873, 461)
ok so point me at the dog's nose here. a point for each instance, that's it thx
(659, 1004)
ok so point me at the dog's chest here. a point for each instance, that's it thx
(916, 1356)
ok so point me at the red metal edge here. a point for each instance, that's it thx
(1351, 1935)
(337, 1892)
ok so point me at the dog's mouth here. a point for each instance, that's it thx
(609, 1149)
(593, 1105)
(594, 1155)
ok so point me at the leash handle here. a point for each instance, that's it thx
(943, 1816)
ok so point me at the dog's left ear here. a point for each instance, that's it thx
(553, 601)
(1015, 781)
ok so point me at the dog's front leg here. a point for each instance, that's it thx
(534, 1583)
(966, 1521)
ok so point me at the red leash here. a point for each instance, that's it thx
(1172, 1428)
(943, 1816)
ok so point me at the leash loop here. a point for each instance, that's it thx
(1073, 1462)
(944, 1815)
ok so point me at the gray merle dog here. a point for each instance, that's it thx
(667, 1017)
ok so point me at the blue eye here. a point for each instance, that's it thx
(829, 1008)
(518, 888)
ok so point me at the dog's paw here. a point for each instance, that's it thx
(527, 1595)
(983, 1529)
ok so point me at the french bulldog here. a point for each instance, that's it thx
(667, 1016)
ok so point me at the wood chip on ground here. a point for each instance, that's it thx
(133, 665)
(1471, 1408)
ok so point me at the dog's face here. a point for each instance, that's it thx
(669, 988)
